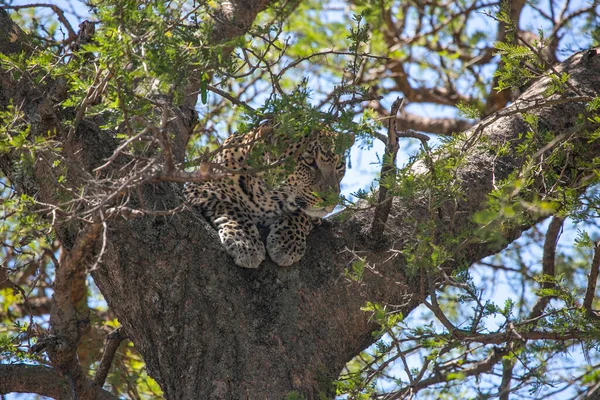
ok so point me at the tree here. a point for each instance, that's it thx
(100, 125)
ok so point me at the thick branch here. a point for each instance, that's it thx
(63, 317)
(12, 38)
(439, 126)
(590, 292)
(21, 378)
(507, 373)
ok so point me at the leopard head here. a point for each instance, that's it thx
(315, 181)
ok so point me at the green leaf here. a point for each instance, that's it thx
(203, 89)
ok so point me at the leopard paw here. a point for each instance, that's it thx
(284, 252)
(245, 253)
(242, 242)
(286, 242)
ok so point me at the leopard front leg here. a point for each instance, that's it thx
(239, 235)
(286, 242)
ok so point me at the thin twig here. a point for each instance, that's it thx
(478, 368)
(328, 52)
(229, 97)
(116, 153)
(57, 10)
(540, 56)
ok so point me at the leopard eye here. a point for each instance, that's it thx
(310, 161)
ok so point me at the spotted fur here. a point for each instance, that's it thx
(235, 205)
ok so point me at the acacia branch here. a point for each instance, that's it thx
(388, 169)
(548, 263)
(590, 292)
(507, 373)
(57, 10)
(484, 365)
(113, 340)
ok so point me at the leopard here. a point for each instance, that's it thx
(240, 201)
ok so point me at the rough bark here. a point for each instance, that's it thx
(32, 379)
(21, 378)
(210, 330)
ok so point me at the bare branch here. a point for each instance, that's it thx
(590, 292)
(113, 340)
(388, 169)
(440, 126)
(507, 373)
(409, 133)
(57, 10)
(548, 267)
(325, 53)
(20, 378)
(436, 95)
(483, 366)
(233, 100)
